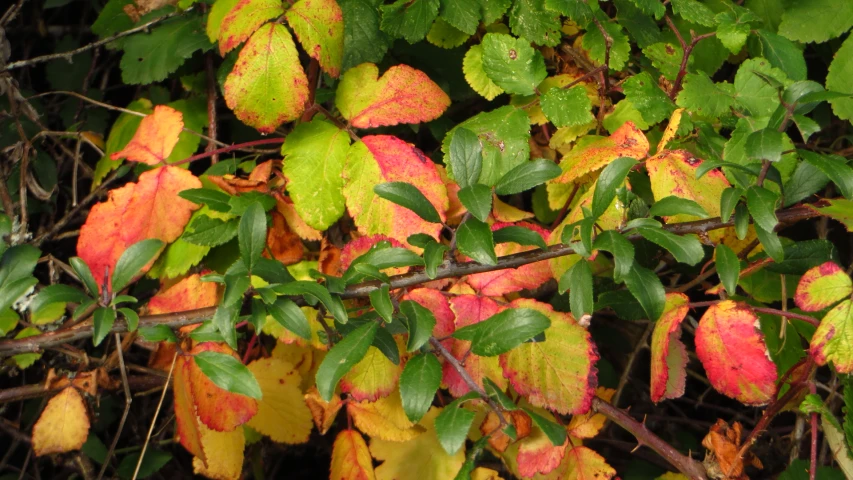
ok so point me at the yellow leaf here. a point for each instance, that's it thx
(282, 413)
(384, 419)
(482, 473)
(589, 424)
(305, 359)
(669, 133)
(224, 452)
(323, 412)
(372, 378)
(351, 458)
(421, 458)
(63, 425)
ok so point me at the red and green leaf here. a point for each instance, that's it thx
(469, 310)
(822, 286)
(501, 282)
(669, 356)
(244, 19)
(731, 348)
(319, 26)
(830, 342)
(626, 141)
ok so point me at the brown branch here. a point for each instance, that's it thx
(687, 48)
(211, 108)
(686, 465)
(230, 148)
(446, 270)
(84, 48)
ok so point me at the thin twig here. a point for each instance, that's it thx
(84, 48)
(154, 420)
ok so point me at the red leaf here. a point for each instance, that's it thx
(731, 348)
(471, 309)
(669, 357)
(155, 138)
(150, 208)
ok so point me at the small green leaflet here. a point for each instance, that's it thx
(526, 176)
(421, 324)
(567, 107)
(555, 433)
(453, 423)
(645, 286)
(133, 260)
(228, 373)
(685, 248)
(224, 320)
(512, 63)
(765, 144)
(477, 199)
(210, 232)
(84, 274)
(103, 320)
(474, 239)
(408, 196)
(158, 333)
(419, 381)
(214, 199)
(520, 235)
(762, 206)
(620, 247)
(771, 243)
(315, 290)
(504, 331)
(610, 179)
(290, 316)
(57, 293)
(466, 157)
(380, 300)
(578, 281)
(673, 205)
(252, 234)
(409, 19)
(728, 268)
(343, 356)
(834, 167)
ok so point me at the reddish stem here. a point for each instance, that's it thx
(813, 420)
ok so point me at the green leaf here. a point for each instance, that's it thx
(252, 235)
(151, 57)
(555, 433)
(673, 205)
(386, 344)
(526, 176)
(419, 381)
(611, 178)
(578, 281)
(816, 20)
(408, 196)
(421, 324)
(577, 10)
(733, 29)
(757, 85)
(241, 203)
(834, 168)
(290, 316)
(741, 220)
(771, 243)
(382, 258)
(520, 235)
(838, 79)
(782, 53)
(363, 40)
(728, 268)
(801, 256)
(504, 331)
(765, 144)
(496, 393)
(618, 246)
(685, 248)
(594, 43)
(433, 257)
(228, 373)
(531, 20)
(314, 156)
(762, 206)
(133, 261)
(567, 107)
(645, 286)
(701, 95)
(56, 294)
(694, 12)
(504, 134)
(409, 19)
(464, 15)
(342, 357)
(224, 319)
(152, 463)
(303, 287)
(474, 239)
(472, 68)
(131, 317)
(804, 182)
(103, 321)
(648, 98)
(465, 158)
(380, 299)
(728, 201)
(158, 333)
(651, 7)
(512, 63)
(452, 425)
(112, 19)
(478, 200)
(210, 232)
(214, 199)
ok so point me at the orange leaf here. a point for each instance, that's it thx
(626, 141)
(150, 208)
(669, 357)
(155, 138)
(286, 246)
(501, 282)
(471, 309)
(218, 409)
(351, 458)
(63, 425)
(732, 350)
(402, 95)
(322, 412)
(492, 428)
(536, 454)
(188, 294)
(724, 443)
(187, 430)
(590, 423)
